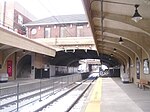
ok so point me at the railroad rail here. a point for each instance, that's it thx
(74, 94)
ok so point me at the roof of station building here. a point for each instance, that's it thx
(61, 19)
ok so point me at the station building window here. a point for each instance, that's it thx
(47, 32)
(62, 31)
(20, 19)
(80, 31)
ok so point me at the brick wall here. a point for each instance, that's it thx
(18, 26)
(71, 31)
(39, 32)
(87, 31)
(55, 31)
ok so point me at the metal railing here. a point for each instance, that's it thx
(17, 92)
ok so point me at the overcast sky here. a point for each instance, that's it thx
(47, 8)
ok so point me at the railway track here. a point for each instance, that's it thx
(12, 99)
(67, 100)
(33, 97)
(9, 103)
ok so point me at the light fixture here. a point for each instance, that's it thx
(65, 50)
(120, 41)
(136, 17)
(111, 55)
(115, 49)
(74, 50)
(90, 46)
(86, 50)
(77, 47)
(24, 51)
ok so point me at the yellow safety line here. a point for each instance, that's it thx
(94, 102)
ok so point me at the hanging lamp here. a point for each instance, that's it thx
(136, 17)
(120, 41)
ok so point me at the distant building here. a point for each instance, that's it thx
(13, 16)
(59, 26)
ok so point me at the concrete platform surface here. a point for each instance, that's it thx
(95, 97)
(123, 97)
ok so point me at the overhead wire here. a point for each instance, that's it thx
(56, 18)
(6, 24)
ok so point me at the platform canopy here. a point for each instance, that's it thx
(114, 28)
(11, 42)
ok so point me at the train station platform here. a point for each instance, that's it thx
(111, 95)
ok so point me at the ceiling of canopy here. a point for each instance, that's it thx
(111, 20)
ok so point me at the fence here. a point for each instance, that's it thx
(20, 91)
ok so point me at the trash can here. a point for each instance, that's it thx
(3, 77)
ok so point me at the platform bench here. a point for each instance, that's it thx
(142, 83)
(146, 85)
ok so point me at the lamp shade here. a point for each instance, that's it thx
(115, 49)
(120, 41)
(136, 17)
